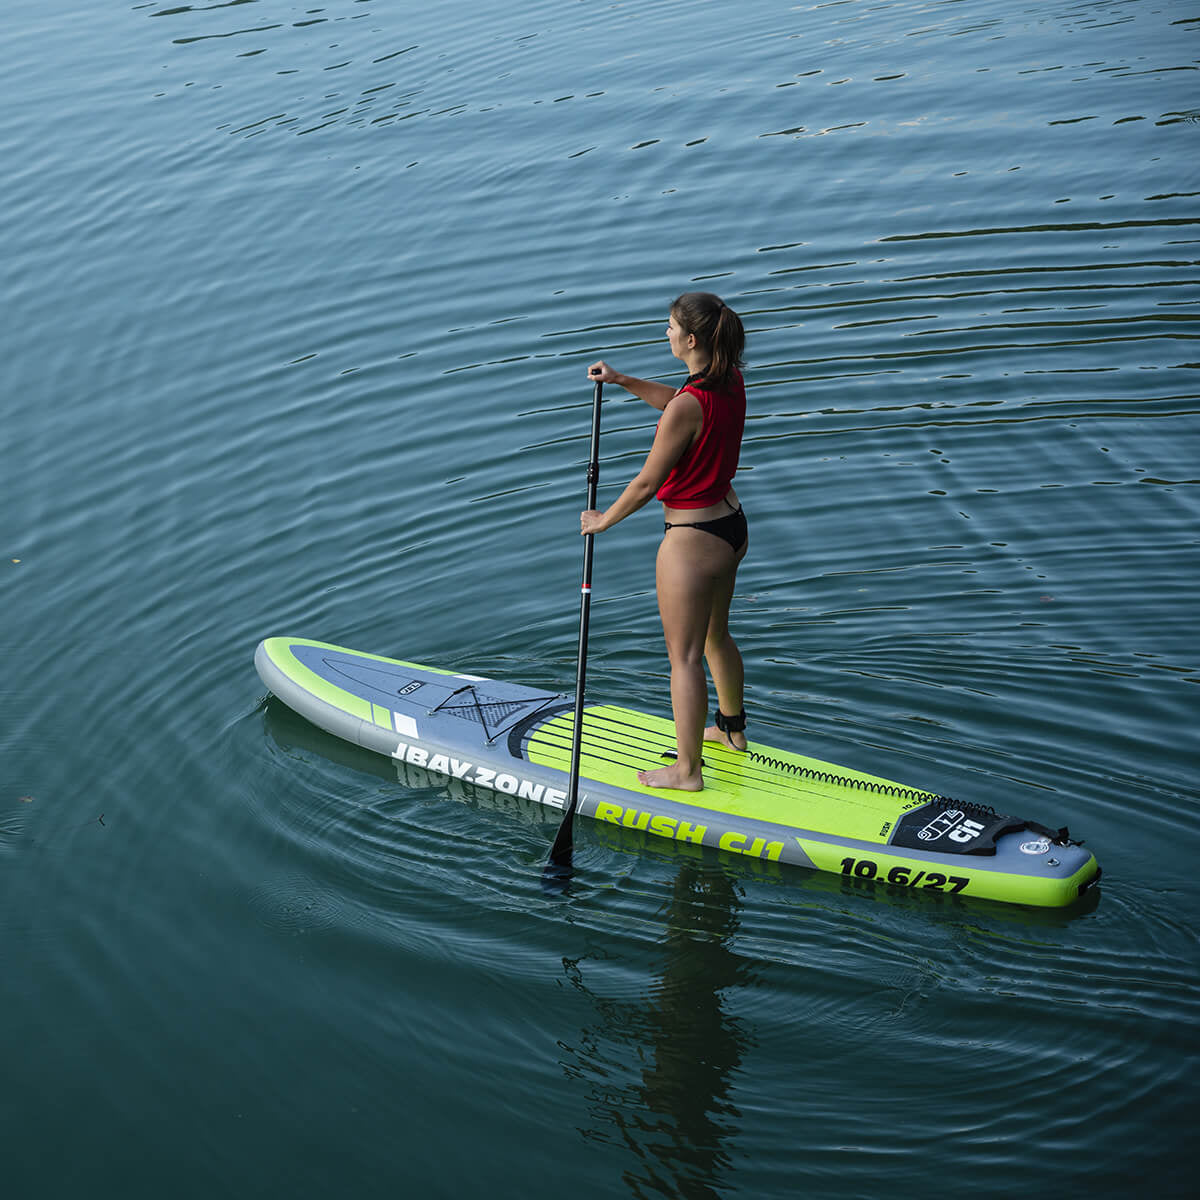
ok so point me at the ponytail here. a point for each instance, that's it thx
(717, 328)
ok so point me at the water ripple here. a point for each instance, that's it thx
(305, 300)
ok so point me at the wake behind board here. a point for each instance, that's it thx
(765, 803)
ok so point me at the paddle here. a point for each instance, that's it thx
(561, 851)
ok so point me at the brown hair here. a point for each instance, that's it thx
(716, 327)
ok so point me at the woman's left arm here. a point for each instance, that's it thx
(679, 426)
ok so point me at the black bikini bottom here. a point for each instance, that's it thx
(731, 529)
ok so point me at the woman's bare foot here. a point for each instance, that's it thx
(673, 776)
(735, 741)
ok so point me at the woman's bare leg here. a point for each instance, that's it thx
(693, 570)
(725, 660)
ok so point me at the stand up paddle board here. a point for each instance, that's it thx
(765, 803)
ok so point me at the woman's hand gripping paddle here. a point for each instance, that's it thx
(558, 869)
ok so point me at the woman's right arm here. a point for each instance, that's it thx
(657, 395)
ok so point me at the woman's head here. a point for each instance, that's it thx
(717, 329)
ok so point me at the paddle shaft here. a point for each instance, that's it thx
(560, 852)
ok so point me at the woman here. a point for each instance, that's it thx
(690, 469)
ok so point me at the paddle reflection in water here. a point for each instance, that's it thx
(677, 1115)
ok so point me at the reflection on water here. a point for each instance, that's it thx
(679, 1040)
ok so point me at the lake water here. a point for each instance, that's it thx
(298, 304)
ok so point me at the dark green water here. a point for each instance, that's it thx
(298, 303)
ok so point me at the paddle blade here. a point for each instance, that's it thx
(556, 878)
(562, 852)
(559, 869)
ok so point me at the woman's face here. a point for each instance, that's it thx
(677, 338)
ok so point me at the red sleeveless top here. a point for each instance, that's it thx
(704, 472)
